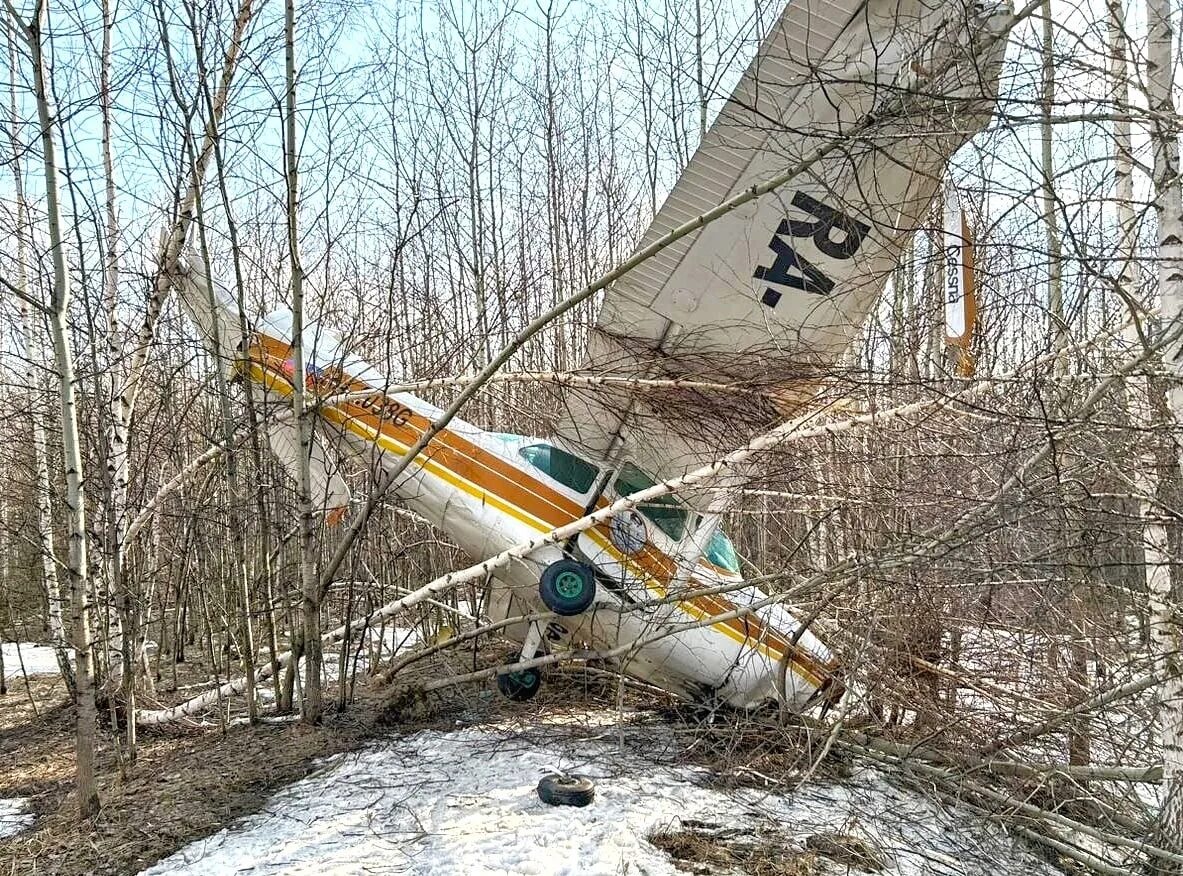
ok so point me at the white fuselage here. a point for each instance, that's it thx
(654, 613)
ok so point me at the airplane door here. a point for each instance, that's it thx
(618, 567)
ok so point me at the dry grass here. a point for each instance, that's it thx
(707, 850)
(36, 727)
(747, 751)
(847, 850)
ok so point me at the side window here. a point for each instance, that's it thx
(570, 471)
(665, 511)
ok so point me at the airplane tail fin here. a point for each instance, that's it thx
(211, 307)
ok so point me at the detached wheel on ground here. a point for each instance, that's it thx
(559, 790)
(520, 685)
(567, 587)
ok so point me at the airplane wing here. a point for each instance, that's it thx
(771, 293)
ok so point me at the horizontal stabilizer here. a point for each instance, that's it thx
(329, 491)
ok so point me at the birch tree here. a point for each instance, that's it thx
(312, 707)
(34, 31)
(1168, 206)
(42, 488)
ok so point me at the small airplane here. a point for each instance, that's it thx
(780, 283)
(621, 581)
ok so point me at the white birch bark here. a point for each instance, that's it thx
(1055, 293)
(313, 701)
(120, 635)
(88, 797)
(1165, 639)
(35, 383)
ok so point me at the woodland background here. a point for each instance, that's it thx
(985, 563)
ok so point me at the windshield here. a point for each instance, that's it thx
(721, 552)
(665, 511)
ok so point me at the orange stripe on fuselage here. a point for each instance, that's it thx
(493, 475)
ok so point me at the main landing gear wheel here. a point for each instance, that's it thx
(521, 685)
(560, 790)
(567, 587)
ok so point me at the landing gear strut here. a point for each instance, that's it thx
(522, 684)
(567, 588)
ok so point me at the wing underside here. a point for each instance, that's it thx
(868, 101)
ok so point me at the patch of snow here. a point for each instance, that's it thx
(387, 643)
(37, 659)
(464, 801)
(14, 816)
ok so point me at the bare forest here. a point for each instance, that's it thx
(988, 537)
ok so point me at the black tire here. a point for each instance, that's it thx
(521, 685)
(567, 587)
(558, 790)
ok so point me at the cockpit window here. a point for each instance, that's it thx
(665, 511)
(721, 552)
(570, 471)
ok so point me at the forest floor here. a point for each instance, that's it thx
(462, 800)
(184, 784)
(450, 788)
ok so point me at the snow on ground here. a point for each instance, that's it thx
(384, 644)
(14, 816)
(464, 801)
(37, 659)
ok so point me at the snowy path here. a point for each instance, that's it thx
(14, 816)
(464, 802)
(38, 659)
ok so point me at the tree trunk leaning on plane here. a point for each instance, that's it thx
(88, 796)
(794, 430)
(1165, 639)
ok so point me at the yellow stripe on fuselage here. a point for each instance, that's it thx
(280, 383)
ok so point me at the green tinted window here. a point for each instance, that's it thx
(664, 511)
(568, 470)
(721, 552)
